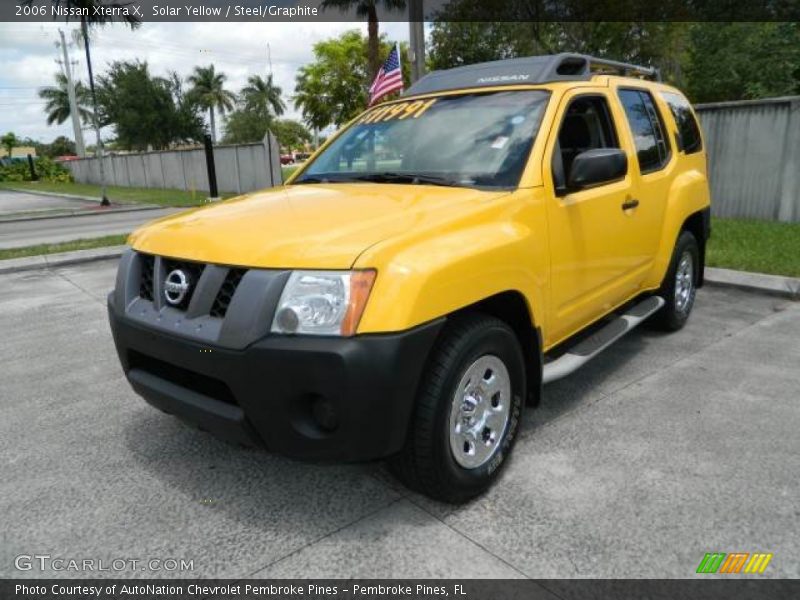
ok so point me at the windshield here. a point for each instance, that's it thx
(472, 140)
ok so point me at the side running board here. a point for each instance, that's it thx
(587, 349)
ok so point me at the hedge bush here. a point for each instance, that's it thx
(46, 169)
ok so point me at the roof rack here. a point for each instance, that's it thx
(603, 65)
(531, 69)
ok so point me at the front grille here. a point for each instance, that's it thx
(192, 270)
(222, 295)
(191, 380)
(146, 282)
(226, 291)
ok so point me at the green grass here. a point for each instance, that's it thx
(759, 246)
(289, 170)
(118, 195)
(82, 244)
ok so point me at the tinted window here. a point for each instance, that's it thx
(652, 149)
(586, 125)
(688, 130)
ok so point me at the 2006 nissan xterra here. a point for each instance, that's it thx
(412, 287)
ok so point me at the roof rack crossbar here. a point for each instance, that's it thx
(625, 69)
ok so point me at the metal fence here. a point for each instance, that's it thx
(240, 168)
(754, 157)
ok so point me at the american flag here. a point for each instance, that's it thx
(388, 79)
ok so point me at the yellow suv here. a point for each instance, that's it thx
(419, 279)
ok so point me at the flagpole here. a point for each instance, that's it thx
(399, 59)
(399, 64)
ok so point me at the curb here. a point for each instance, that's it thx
(60, 259)
(74, 212)
(776, 285)
(54, 194)
(82, 213)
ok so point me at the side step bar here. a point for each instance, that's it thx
(587, 349)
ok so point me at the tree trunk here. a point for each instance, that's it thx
(372, 44)
(213, 124)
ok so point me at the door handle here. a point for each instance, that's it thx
(629, 204)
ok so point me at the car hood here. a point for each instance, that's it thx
(317, 226)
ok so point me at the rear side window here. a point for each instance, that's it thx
(688, 129)
(652, 149)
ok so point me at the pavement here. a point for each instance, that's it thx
(662, 449)
(17, 234)
(21, 202)
(21, 205)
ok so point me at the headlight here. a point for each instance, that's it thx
(323, 302)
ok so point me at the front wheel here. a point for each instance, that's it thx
(467, 413)
(680, 284)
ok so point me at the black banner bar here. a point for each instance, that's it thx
(733, 588)
(446, 10)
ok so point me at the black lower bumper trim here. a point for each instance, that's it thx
(315, 398)
(226, 421)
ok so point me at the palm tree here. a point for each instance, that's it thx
(260, 95)
(9, 141)
(57, 97)
(368, 9)
(208, 89)
(311, 99)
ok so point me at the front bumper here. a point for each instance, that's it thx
(314, 398)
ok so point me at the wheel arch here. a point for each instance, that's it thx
(512, 307)
(699, 225)
(687, 209)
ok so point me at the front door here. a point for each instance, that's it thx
(596, 253)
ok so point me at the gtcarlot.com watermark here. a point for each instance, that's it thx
(47, 562)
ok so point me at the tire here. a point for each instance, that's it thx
(436, 460)
(679, 287)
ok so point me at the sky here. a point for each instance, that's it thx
(28, 54)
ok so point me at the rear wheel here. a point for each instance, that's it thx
(467, 412)
(680, 284)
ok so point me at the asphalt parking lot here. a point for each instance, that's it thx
(664, 448)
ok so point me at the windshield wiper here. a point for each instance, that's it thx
(336, 179)
(413, 178)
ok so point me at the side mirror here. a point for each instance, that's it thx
(596, 166)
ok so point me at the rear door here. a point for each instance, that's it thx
(654, 165)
